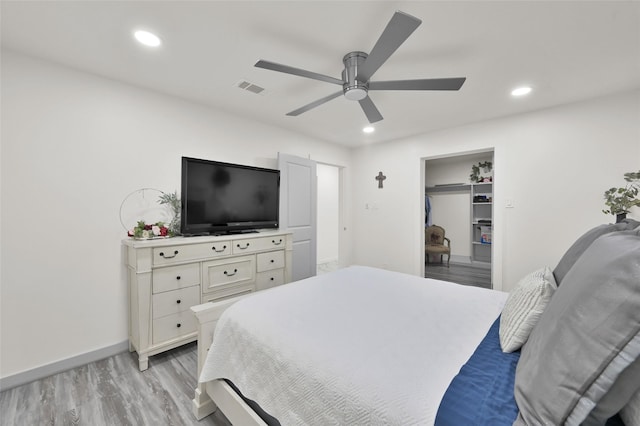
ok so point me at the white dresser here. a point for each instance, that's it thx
(168, 276)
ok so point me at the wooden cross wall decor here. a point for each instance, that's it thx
(380, 178)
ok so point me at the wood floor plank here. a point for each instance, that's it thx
(112, 391)
(459, 273)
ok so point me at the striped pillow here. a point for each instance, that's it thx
(523, 308)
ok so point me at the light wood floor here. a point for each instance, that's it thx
(114, 392)
(111, 392)
(460, 273)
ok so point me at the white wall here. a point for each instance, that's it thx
(454, 169)
(328, 212)
(73, 146)
(554, 164)
(452, 211)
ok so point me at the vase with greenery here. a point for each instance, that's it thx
(620, 200)
(173, 202)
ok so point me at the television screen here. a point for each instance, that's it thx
(222, 198)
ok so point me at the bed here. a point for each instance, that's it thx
(365, 346)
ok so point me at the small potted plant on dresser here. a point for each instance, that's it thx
(173, 202)
(620, 200)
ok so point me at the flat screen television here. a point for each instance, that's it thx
(225, 198)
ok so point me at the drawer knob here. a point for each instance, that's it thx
(175, 253)
(219, 251)
(271, 279)
(178, 277)
(178, 301)
(272, 260)
(230, 274)
(277, 243)
(178, 325)
(243, 248)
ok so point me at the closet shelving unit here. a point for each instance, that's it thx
(481, 222)
(481, 196)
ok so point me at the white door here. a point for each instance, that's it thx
(298, 211)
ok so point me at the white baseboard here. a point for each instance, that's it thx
(460, 259)
(62, 365)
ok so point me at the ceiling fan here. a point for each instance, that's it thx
(360, 67)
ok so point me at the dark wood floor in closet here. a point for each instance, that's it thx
(111, 392)
(459, 273)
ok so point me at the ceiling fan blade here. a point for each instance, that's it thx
(314, 104)
(423, 84)
(397, 31)
(297, 71)
(370, 110)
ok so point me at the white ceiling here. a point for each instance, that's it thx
(566, 50)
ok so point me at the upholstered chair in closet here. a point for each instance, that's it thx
(435, 243)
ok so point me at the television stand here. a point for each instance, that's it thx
(168, 276)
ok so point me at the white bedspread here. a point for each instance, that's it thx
(359, 346)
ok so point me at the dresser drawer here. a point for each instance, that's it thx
(251, 245)
(173, 326)
(227, 292)
(270, 260)
(222, 274)
(175, 277)
(268, 279)
(170, 255)
(171, 302)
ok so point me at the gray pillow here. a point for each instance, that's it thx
(630, 414)
(617, 398)
(582, 243)
(588, 334)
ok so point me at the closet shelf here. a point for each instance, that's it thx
(453, 187)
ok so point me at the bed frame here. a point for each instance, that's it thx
(217, 393)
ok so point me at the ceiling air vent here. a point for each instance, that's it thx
(250, 87)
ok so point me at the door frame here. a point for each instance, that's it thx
(496, 246)
(343, 247)
(342, 227)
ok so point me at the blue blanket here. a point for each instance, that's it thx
(482, 392)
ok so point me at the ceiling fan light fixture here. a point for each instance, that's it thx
(356, 93)
(147, 38)
(521, 91)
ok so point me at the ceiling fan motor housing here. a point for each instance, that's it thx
(353, 89)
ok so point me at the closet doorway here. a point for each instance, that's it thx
(328, 218)
(454, 200)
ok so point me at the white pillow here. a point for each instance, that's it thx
(523, 308)
(630, 414)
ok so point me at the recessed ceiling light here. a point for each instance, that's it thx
(369, 129)
(147, 38)
(521, 91)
